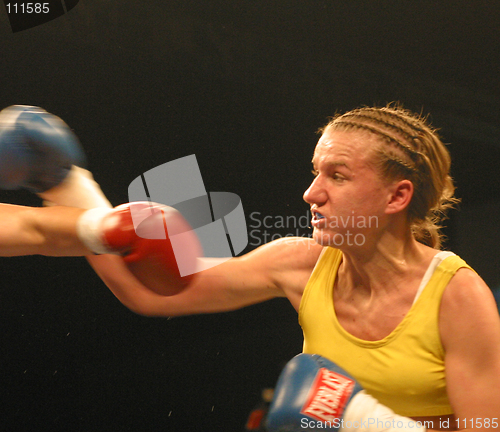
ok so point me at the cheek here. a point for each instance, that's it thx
(370, 200)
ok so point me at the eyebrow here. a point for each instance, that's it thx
(333, 164)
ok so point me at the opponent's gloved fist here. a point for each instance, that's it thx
(314, 393)
(157, 244)
(37, 149)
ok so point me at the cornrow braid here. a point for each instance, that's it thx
(388, 138)
(408, 118)
(410, 149)
(398, 129)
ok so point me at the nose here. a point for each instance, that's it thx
(315, 194)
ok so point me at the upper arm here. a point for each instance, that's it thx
(276, 269)
(470, 332)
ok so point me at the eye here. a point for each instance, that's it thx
(338, 177)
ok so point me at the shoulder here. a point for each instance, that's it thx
(293, 252)
(287, 254)
(467, 308)
(286, 263)
(467, 289)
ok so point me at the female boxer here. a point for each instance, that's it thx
(416, 327)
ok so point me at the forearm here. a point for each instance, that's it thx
(122, 283)
(209, 292)
(40, 231)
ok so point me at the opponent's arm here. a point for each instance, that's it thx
(40, 231)
(38, 152)
(470, 332)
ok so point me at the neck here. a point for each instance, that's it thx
(383, 264)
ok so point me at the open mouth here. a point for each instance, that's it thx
(317, 217)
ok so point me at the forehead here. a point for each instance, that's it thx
(349, 147)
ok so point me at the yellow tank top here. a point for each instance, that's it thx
(405, 370)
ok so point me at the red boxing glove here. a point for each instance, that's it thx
(157, 244)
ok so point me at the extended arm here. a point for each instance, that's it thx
(278, 269)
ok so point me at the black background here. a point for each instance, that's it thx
(244, 85)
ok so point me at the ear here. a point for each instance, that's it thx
(400, 196)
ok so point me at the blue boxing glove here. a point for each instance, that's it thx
(37, 149)
(314, 393)
(310, 390)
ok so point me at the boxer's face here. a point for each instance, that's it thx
(347, 195)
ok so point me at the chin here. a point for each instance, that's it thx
(322, 238)
(339, 240)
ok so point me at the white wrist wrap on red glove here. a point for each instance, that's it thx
(365, 414)
(89, 230)
(79, 189)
